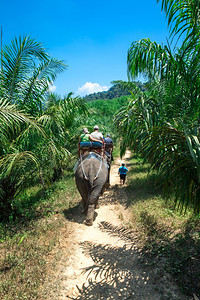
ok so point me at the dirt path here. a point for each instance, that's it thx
(106, 262)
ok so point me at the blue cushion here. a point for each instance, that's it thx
(91, 145)
(97, 145)
(85, 144)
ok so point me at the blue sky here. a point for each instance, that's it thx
(92, 37)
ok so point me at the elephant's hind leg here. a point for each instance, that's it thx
(97, 205)
(85, 206)
(90, 215)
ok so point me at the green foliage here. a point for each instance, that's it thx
(183, 18)
(36, 127)
(116, 91)
(162, 123)
(101, 112)
(108, 107)
(169, 239)
(30, 236)
(27, 72)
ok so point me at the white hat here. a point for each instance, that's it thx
(96, 127)
(85, 130)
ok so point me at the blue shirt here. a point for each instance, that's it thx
(123, 170)
(108, 140)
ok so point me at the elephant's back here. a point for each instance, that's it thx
(90, 166)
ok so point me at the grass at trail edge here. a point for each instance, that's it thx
(173, 238)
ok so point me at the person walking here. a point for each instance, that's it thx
(122, 173)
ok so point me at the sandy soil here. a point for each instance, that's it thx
(106, 261)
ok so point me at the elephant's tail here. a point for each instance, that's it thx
(90, 182)
(91, 178)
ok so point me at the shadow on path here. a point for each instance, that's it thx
(76, 215)
(117, 272)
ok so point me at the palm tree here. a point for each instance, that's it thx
(27, 72)
(24, 83)
(162, 124)
(59, 120)
(16, 163)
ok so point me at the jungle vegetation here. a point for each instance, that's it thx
(116, 91)
(39, 130)
(102, 112)
(162, 123)
(35, 126)
(38, 140)
(159, 120)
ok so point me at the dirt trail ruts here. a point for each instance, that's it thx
(105, 261)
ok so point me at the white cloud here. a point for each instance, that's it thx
(90, 88)
(52, 87)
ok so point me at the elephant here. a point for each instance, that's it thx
(91, 175)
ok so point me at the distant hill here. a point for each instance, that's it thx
(114, 92)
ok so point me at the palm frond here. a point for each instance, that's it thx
(148, 58)
(16, 160)
(183, 17)
(18, 61)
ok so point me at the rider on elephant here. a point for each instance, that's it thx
(109, 146)
(92, 173)
(97, 135)
(85, 139)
